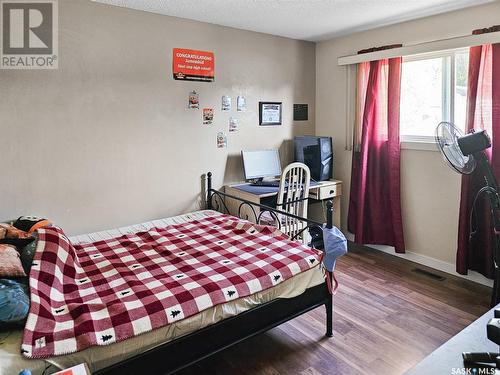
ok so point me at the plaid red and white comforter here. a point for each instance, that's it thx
(107, 291)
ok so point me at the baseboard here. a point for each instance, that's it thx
(435, 263)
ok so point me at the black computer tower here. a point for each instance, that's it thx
(317, 154)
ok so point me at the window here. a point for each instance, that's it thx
(433, 89)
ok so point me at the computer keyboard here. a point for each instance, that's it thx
(266, 183)
(276, 183)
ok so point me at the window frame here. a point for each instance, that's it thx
(427, 142)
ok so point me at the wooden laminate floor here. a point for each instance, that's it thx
(387, 318)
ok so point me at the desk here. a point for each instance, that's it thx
(447, 359)
(321, 191)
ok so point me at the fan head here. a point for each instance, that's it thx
(447, 136)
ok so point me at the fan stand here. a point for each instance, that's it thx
(492, 190)
(489, 360)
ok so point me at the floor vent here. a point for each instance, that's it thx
(428, 274)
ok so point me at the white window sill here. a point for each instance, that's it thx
(419, 145)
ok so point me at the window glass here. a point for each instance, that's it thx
(461, 73)
(422, 97)
(433, 89)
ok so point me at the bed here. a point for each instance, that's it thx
(191, 339)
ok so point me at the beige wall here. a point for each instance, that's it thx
(106, 140)
(430, 190)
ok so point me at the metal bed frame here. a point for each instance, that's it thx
(184, 351)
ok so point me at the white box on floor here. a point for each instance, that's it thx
(80, 369)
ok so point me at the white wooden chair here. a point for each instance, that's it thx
(292, 198)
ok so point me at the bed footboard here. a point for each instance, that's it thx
(215, 200)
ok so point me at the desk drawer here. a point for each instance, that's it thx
(325, 192)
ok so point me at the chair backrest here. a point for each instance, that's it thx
(292, 196)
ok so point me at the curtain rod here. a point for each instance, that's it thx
(426, 47)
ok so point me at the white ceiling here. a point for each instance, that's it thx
(299, 19)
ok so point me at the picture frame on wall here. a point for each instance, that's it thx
(270, 113)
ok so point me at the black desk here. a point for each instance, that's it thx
(447, 359)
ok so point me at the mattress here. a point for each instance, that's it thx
(98, 357)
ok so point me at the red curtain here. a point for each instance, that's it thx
(483, 112)
(375, 204)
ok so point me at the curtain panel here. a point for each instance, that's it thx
(475, 247)
(375, 204)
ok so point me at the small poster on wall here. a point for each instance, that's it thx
(241, 104)
(208, 116)
(226, 103)
(193, 65)
(233, 125)
(221, 140)
(270, 113)
(194, 102)
(300, 112)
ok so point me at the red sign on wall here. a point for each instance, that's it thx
(192, 65)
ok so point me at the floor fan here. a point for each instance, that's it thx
(465, 153)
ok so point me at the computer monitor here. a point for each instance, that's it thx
(260, 164)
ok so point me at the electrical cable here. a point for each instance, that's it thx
(473, 220)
